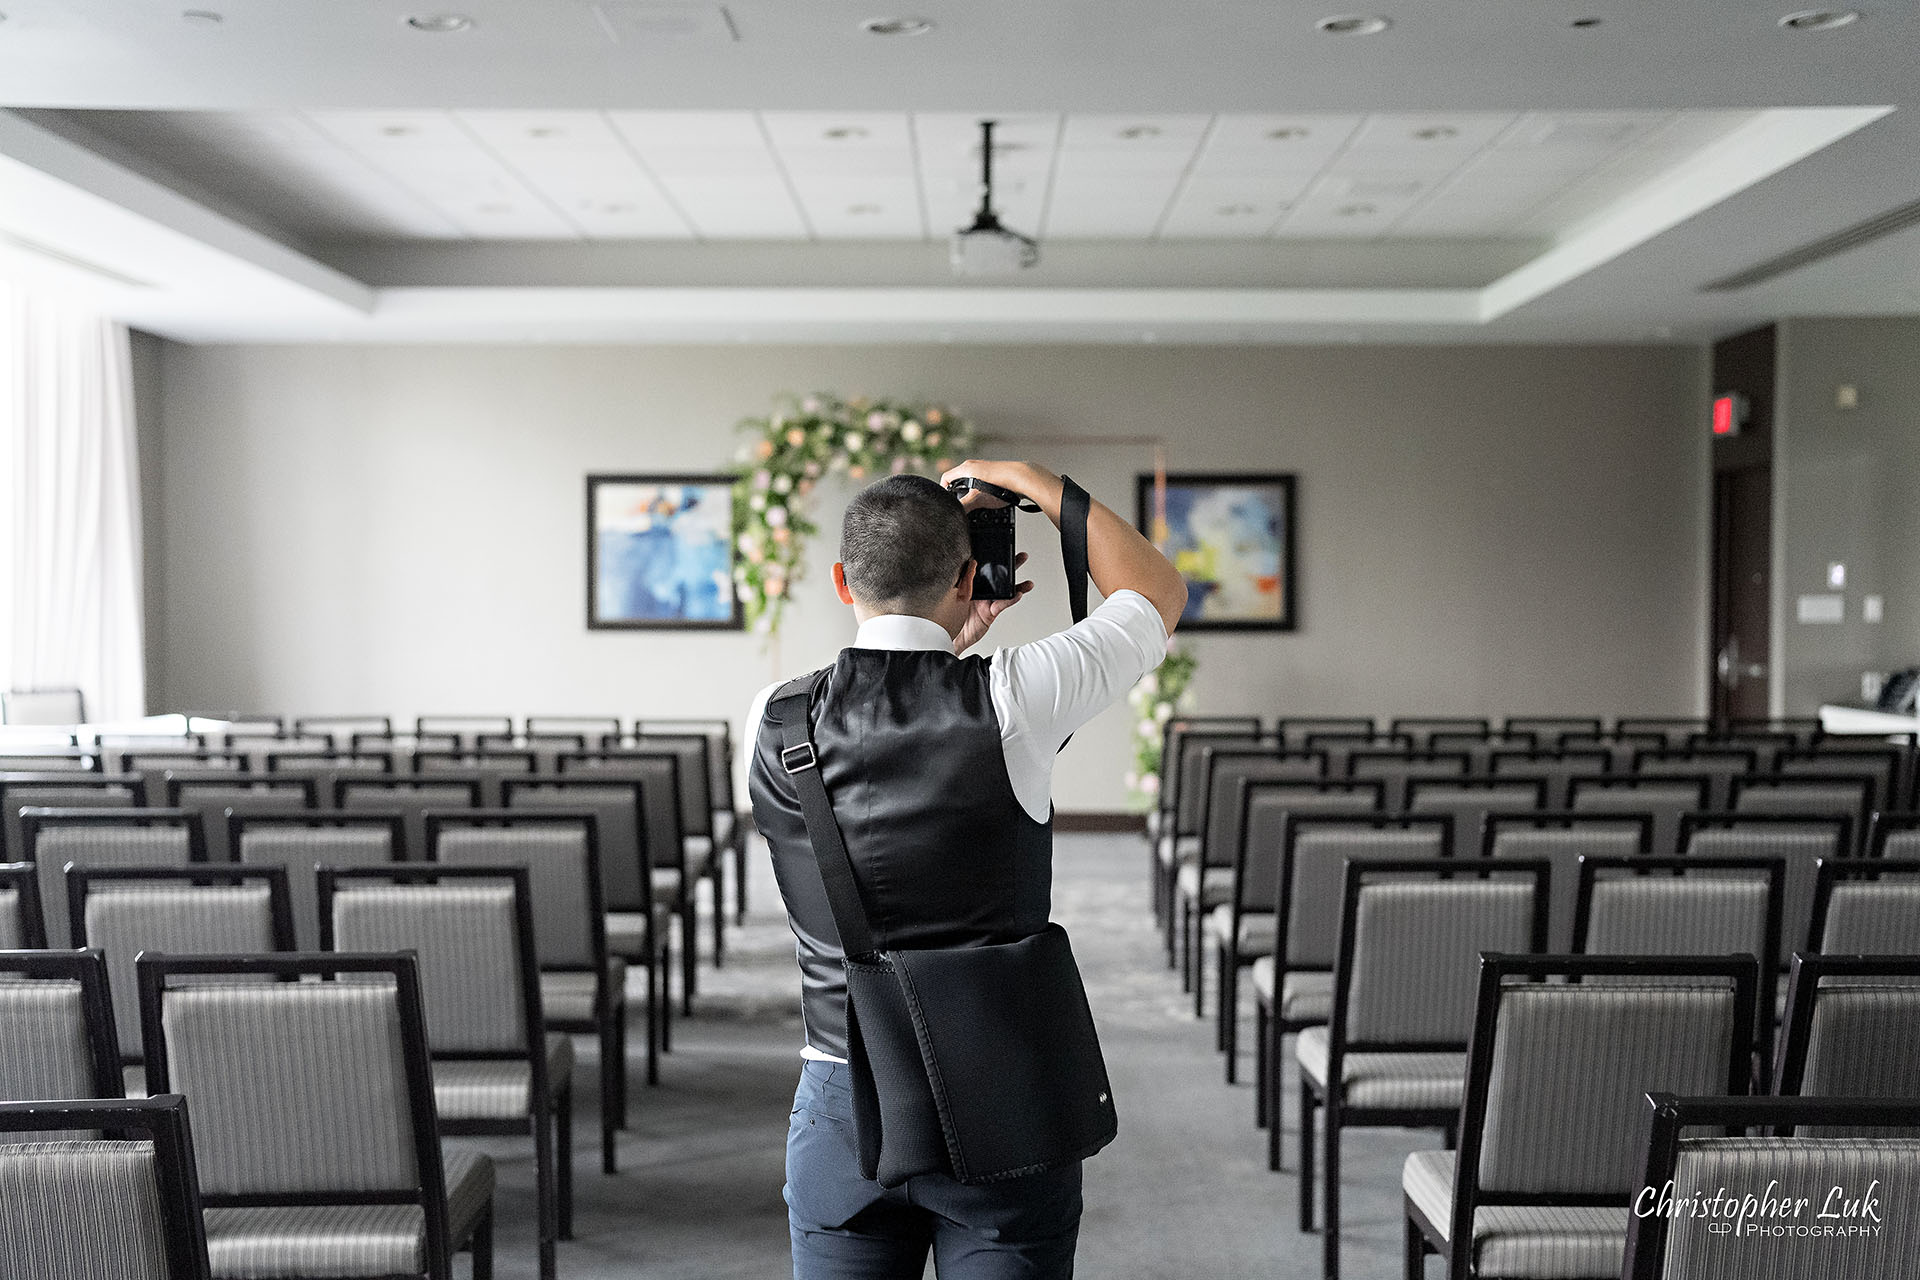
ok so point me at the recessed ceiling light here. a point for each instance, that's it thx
(545, 131)
(896, 26)
(440, 23)
(1235, 210)
(1287, 133)
(397, 131)
(863, 210)
(496, 206)
(1581, 24)
(1436, 133)
(1354, 24)
(618, 206)
(201, 17)
(1138, 132)
(1355, 210)
(844, 133)
(1820, 19)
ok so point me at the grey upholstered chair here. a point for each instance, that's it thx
(544, 749)
(1479, 748)
(495, 1071)
(313, 1116)
(1547, 731)
(1241, 930)
(583, 990)
(1293, 731)
(1799, 1170)
(1398, 770)
(56, 1027)
(1562, 838)
(466, 731)
(1894, 836)
(1799, 840)
(1666, 799)
(59, 789)
(325, 768)
(1688, 906)
(591, 729)
(639, 929)
(676, 866)
(55, 838)
(213, 798)
(215, 910)
(1888, 767)
(340, 730)
(1467, 803)
(1183, 799)
(699, 831)
(489, 766)
(1674, 731)
(22, 759)
(125, 1207)
(1851, 1026)
(153, 766)
(401, 746)
(301, 842)
(1204, 878)
(1719, 765)
(1293, 984)
(1553, 1122)
(1766, 744)
(1339, 748)
(1866, 906)
(1619, 747)
(23, 924)
(1422, 729)
(1393, 1052)
(411, 798)
(1552, 766)
(1845, 796)
(43, 706)
(729, 825)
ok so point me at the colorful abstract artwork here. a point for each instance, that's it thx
(1232, 538)
(660, 552)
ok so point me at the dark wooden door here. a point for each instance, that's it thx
(1742, 562)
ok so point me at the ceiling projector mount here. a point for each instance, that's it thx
(987, 248)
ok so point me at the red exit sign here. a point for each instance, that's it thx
(1729, 413)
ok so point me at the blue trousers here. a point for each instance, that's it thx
(846, 1228)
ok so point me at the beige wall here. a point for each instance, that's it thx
(1483, 530)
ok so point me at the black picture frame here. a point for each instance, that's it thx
(1284, 486)
(597, 617)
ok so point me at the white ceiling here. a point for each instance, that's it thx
(776, 175)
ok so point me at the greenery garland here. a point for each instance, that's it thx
(1156, 699)
(794, 450)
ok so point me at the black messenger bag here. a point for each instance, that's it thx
(978, 1062)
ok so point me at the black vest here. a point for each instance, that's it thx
(944, 855)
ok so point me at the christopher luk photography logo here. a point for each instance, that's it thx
(1838, 1212)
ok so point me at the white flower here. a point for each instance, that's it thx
(1131, 781)
(777, 517)
(810, 406)
(743, 591)
(779, 421)
(813, 470)
(1150, 683)
(743, 454)
(1150, 784)
(762, 479)
(783, 484)
(910, 431)
(876, 421)
(1162, 713)
(758, 502)
(854, 441)
(748, 544)
(1149, 729)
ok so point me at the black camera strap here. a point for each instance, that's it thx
(1075, 506)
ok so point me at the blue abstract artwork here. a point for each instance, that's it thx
(660, 552)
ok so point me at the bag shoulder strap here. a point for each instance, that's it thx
(791, 706)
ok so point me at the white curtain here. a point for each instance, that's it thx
(69, 507)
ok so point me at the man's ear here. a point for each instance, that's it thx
(965, 583)
(840, 583)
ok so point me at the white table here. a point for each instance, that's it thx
(1861, 721)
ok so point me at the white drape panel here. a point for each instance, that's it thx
(69, 507)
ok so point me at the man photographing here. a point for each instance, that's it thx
(938, 768)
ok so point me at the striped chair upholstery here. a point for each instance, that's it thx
(23, 924)
(489, 767)
(1553, 1124)
(212, 800)
(302, 845)
(1720, 766)
(1850, 1029)
(61, 789)
(125, 1208)
(301, 1091)
(1839, 797)
(1555, 769)
(1561, 840)
(56, 1028)
(1665, 799)
(135, 843)
(1902, 843)
(1885, 765)
(1869, 908)
(1397, 772)
(410, 798)
(1800, 847)
(1468, 804)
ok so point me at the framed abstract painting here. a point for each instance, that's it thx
(660, 552)
(1232, 538)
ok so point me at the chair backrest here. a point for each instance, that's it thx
(545, 748)
(1312, 874)
(153, 766)
(1894, 836)
(1851, 1027)
(1719, 764)
(1561, 838)
(1865, 907)
(1397, 769)
(1666, 799)
(43, 706)
(125, 1207)
(50, 759)
(589, 729)
(1228, 771)
(203, 910)
(617, 806)
(341, 729)
(1338, 748)
(1676, 731)
(561, 853)
(1420, 729)
(1468, 802)
(1620, 746)
(1293, 731)
(1859, 1183)
(465, 730)
(307, 1092)
(57, 1038)
(1411, 934)
(1478, 748)
(1557, 1071)
(301, 842)
(401, 746)
(1845, 796)
(658, 773)
(472, 928)
(1553, 766)
(23, 923)
(1546, 731)
(260, 751)
(1802, 731)
(694, 773)
(719, 736)
(1765, 747)
(410, 797)
(489, 765)
(1887, 766)
(1263, 831)
(54, 838)
(1800, 840)
(59, 789)
(1186, 793)
(213, 799)
(244, 725)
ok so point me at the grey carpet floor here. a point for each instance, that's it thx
(1184, 1191)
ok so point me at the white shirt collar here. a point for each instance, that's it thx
(902, 631)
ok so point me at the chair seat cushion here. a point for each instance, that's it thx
(1256, 930)
(566, 995)
(1552, 1242)
(344, 1240)
(1306, 995)
(1392, 1080)
(666, 887)
(496, 1090)
(628, 935)
(134, 1080)
(698, 851)
(725, 823)
(1209, 888)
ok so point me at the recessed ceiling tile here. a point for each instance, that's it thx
(388, 132)
(1226, 220)
(862, 208)
(1133, 133)
(689, 130)
(838, 131)
(737, 207)
(1290, 142)
(1577, 135)
(1426, 134)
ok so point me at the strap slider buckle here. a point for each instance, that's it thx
(798, 759)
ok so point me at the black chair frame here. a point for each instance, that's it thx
(34, 821)
(1862, 815)
(1830, 871)
(89, 969)
(1803, 993)
(24, 879)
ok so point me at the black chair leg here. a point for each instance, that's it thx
(719, 916)
(666, 995)
(739, 873)
(1415, 1252)
(563, 1148)
(1306, 1154)
(482, 1246)
(1230, 1014)
(613, 1066)
(689, 953)
(1330, 1181)
(1260, 1046)
(547, 1212)
(1274, 1127)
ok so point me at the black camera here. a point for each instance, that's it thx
(991, 531)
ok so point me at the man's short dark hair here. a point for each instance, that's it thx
(903, 543)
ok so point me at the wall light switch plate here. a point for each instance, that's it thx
(1824, 610)
(1846, 396)
(1836, 575)
(1872, 608)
